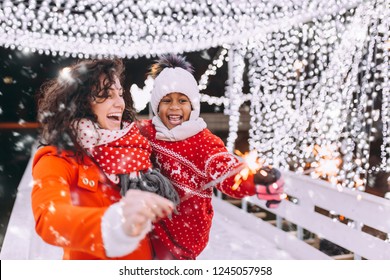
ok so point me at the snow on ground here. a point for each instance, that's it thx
(232, 239)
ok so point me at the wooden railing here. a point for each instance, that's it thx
(19, 125)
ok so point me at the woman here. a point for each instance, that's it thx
(75, 202)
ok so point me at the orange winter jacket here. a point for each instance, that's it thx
(69, 198)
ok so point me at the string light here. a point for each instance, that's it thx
(234, 92)
(212, 70)
(313, 85)
(129, 28)
(318, 71)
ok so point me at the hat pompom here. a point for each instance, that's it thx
(169, 61)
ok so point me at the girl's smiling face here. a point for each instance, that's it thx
(174, 109)
(109, 110)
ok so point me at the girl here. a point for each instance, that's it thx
(190, 156)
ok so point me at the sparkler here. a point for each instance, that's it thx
(252, 163)
(328, 165)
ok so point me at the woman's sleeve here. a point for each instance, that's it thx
(59, 222)
(116, 242)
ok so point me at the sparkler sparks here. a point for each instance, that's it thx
(328, 164)
(252, 163)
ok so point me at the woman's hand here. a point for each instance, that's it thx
(140, 208)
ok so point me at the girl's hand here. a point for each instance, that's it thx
(269, 186)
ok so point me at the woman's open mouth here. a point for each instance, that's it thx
(115, 117)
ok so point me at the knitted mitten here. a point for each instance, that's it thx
(269, 186)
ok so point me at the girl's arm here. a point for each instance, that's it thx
(221, 163)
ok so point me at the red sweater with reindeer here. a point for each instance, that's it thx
(190, 164)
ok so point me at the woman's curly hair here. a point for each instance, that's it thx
(169, 61)
(67, 98)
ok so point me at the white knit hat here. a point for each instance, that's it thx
(176, 79)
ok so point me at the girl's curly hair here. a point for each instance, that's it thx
(67, 98)
(169, 61)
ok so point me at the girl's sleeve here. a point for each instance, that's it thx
(221, 168)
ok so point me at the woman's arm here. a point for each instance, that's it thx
(89, 229)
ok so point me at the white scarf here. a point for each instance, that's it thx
(187, 129)
(90, 135)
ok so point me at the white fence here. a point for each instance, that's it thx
(358, 209)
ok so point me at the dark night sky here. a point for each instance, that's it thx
(22, 74)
